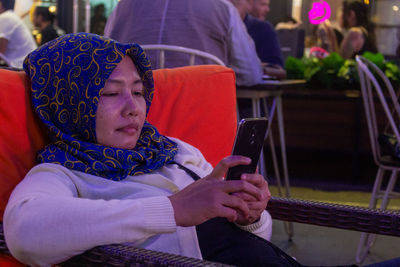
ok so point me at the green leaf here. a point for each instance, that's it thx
(294, 68)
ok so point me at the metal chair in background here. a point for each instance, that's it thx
(193, 53)
(378, 95)
(160, 62)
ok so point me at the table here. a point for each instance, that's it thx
(258, 95)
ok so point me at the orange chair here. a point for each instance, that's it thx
(21, 135)
(201, 99)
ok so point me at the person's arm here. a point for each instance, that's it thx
(243, 57)
(327, 37)
(3, 45)
(259, 221)
(45, 214)
(352, 43)
(213, 196)
(274, 71)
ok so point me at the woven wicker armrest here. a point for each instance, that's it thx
(382, 222)
(121, 255)
(302, 211)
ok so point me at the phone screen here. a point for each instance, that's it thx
(249, 141)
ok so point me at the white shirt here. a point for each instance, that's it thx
(20, 40)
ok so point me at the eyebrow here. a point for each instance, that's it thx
(117, 81)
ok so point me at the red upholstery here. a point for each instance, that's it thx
(197, 104)
(183, 98)
(20, 132)
(9, 261)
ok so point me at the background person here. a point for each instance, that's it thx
(99, 20)
(265, 38)
(357, 31)
(44, 20)
(212, 26)
(259, 8)
(15, 39)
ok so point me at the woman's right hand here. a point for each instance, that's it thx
(212, 196)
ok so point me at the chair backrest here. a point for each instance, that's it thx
(195, 104)
(193, 53)
(291, 42)
(382, 108)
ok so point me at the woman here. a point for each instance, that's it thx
(108, 176)
(358, 33)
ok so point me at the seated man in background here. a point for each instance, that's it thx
(15, 39)
(259, 8)
(263, 34)
(213, 26)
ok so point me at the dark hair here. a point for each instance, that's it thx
(362, 16)
(45, 13)
(8, 4)
(360, 9)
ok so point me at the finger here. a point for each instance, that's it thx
(234, 186)
(228, 162)
(237, 204)
(256, 206)
(230, 214)
(244, 196)
(255, 179)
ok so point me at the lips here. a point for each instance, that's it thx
(131, 128)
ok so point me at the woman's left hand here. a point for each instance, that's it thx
(256, 206)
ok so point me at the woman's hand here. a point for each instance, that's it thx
(212, 196)
(255, 206)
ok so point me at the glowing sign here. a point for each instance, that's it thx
(319, 12)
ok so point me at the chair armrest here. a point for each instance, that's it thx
(384, 222)
(122, 255)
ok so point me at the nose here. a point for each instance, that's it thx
(130, 107)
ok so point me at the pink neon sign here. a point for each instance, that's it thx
(319, 12)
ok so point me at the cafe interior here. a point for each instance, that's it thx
(332, 145)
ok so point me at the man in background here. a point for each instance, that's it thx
(259, 8)
(44, 20)
(15, 39)
(263, 34)
(212, 26)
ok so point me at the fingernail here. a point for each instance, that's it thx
(244, 176)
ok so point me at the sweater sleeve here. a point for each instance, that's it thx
(45, 214)
(262, 228)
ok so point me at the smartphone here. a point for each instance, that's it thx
(249, 141)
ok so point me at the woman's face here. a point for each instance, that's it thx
(122, 108)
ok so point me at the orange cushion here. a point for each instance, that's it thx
(197, 104)
(21, 134)
(201, 100)
(9, 261)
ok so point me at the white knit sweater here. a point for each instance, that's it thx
(56, 213)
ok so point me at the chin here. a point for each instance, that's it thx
(126, 145)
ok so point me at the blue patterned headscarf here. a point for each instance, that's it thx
(67, 76)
